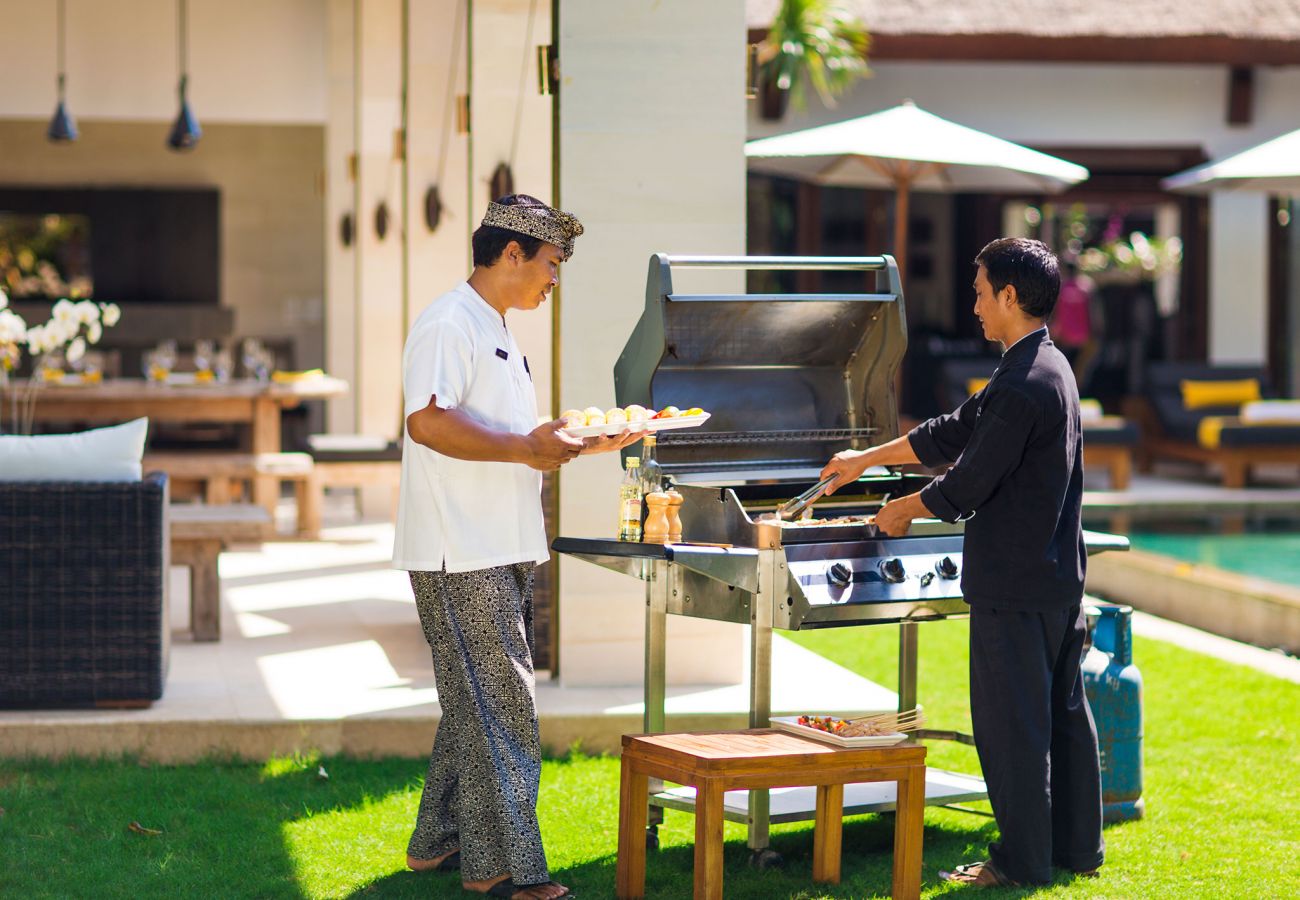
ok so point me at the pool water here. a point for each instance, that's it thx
(1268, 554)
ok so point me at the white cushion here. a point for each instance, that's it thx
(1262, 412)
(347, 443)
(101, 454)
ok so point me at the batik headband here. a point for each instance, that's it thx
(542, 222)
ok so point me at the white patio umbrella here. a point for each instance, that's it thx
(1271, 167)
(907, 149)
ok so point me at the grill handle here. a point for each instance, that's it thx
(782, 263)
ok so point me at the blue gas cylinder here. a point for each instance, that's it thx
(1114, 688)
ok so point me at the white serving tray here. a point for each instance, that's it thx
(647, 425)
(791, 724)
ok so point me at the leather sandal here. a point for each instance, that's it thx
(449, 863)
(979, 874)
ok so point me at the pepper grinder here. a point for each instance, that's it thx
(656, 529)
(674, 516)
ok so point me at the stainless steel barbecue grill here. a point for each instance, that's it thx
(790, 379)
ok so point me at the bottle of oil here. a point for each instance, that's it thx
(629, 502)
(652, 474)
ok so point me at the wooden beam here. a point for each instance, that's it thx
(1084, 48)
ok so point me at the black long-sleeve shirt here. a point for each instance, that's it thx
(1017, 450)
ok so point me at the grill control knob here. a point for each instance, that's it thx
(893, 570)
(839, 574)
(946, 568)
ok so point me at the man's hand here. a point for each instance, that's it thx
(550, 446)
(604, 443)
(896, 516)
(848, 466)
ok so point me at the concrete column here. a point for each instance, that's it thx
(377, 390)
(340, 201)
(1238, 278)
(512, 124)
(652, 131)
(437, 153)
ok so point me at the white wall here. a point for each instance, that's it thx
(1110, 105)
(652, 132)
(249, 60)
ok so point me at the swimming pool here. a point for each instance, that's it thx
(1270, 554)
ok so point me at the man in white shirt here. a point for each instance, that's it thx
(470, 531)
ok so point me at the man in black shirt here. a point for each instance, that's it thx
(1017, 477)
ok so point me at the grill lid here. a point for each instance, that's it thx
(788, 378)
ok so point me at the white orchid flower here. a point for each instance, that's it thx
(13, 329)
(4, 299)
(87, 312)
(36, 339)
(64, 311)
(112, 312)
(76, 349)
(94, 331)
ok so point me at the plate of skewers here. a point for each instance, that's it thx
(876, 730)
(593, 420)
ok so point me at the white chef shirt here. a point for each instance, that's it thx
(464, 514)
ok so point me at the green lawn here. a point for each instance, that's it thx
(1221, 789)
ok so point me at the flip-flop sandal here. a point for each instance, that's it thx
(980, 874)
(508, 888)
(450, 863)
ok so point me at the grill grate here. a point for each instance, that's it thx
(720, 438)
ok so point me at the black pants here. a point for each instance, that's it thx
(1036, 740)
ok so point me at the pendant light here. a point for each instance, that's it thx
(185, 131)
(62, 128)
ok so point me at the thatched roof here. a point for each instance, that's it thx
(1270, 20)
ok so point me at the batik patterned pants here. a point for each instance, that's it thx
(480, 794)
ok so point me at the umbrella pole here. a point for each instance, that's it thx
(902, 198)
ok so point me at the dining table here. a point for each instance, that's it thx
(249, 402)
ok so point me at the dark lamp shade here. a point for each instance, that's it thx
(185, 131)
(62, 127)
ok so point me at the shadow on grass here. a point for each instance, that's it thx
(66, 829)
(866, 868)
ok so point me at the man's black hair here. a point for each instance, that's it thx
(1027, 264)
(489, 242)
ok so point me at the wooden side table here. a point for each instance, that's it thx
(716, 762)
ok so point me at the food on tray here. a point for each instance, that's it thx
(841, 520)
(827, 724)
(634, 417)
(636, 413)
(574, 418)
(845, 728)
(615, 416)
(669, 412)
(694, 411)
(595, 415)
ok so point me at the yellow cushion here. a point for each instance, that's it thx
(1210, 429)
(282, 377)
(975, 385)
(1200, 394)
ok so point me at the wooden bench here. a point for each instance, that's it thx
(716, 762)
(221, 475)
(198, 535)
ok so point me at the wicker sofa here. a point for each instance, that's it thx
(83, 593)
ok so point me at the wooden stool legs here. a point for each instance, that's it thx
(828, 833)
(908, 826)
(633, 793)
(708, 840)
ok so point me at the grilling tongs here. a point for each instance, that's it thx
(793, 507)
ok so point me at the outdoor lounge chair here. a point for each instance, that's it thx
(1179, 425)
(83, 592)
(1108, 441)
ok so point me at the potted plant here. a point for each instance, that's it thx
(811, 42)
(72, 326)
